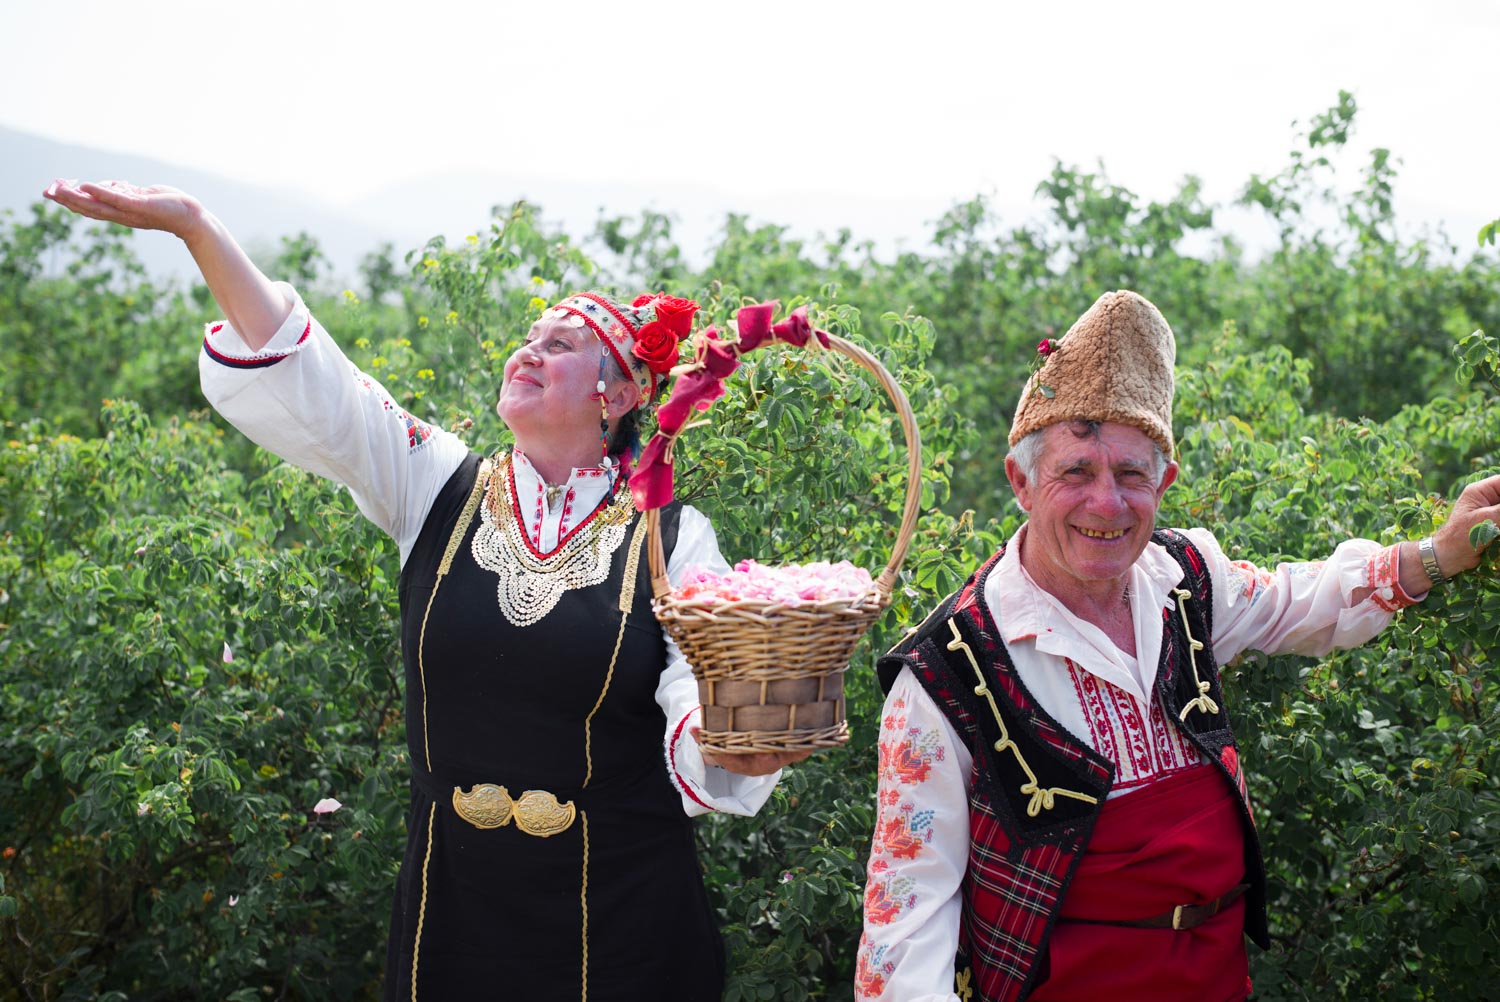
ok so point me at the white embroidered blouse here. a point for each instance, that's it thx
(1100, 695)
(300, 398)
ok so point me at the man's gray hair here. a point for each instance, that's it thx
(1028, 452)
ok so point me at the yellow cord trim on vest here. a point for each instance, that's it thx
(583, 898)
(963, 984)
(454, 540)
(1039, 798)
(627, 599)
(1204, 703)
(416, 947)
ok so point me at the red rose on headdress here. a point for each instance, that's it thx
(676, 314)
(656, 345)
(1046, 346)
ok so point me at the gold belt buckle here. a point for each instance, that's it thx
(536, 812)
(1177, 918)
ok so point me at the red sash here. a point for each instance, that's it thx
(1174, 842)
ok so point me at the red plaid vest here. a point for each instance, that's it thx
(1027, 835)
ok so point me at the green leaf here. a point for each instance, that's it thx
(1483, 534)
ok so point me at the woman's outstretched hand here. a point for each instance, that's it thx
(155, 207)
(254, 306)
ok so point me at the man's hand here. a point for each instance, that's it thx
(1478, 502)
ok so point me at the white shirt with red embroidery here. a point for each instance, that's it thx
(1099, 694)
(300, 398)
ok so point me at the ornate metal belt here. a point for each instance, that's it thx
(536, 812)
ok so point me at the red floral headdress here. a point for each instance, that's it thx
(701, 382)
(649, 330)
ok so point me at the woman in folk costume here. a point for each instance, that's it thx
(1062, 809)
(550, 722)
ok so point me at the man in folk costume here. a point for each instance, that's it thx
(1062, 810)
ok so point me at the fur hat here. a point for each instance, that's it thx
(1113, 365)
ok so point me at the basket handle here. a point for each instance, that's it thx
(886, 582)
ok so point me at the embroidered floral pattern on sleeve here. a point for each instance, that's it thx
(1253, 580)
(872, 970)
(1381, 570)
(417, 432)
(901, 831)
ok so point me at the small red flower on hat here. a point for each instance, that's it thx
(1045, 349)
(656, 341)
(656, 346)
(676, 313)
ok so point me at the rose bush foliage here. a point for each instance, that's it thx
(198, 644)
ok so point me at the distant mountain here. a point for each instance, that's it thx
(407, 213)
(258, 217)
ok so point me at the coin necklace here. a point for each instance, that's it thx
(530, 583)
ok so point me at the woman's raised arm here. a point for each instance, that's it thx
(250, 301)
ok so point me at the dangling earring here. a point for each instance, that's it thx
(605, 461)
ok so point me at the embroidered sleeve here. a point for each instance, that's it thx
(300, 398)
(1306, 607)
(703, 788)
(918, 855)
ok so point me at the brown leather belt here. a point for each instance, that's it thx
(1179, 918)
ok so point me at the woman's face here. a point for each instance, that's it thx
(550, 381)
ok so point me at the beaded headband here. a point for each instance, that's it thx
(642, 337)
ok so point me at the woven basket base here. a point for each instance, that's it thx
(748, 742)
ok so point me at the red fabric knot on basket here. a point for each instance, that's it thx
(651, 480)
(755, 327)
(701, 382)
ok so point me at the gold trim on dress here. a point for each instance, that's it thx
(535, 812)
(627, 599)
(1040, 798)
(454, 539)
(416, 947)
(583, 900)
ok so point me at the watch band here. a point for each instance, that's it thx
(1429, 562)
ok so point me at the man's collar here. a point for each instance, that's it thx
(1025, 607)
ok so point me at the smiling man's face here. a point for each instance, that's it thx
(1092, 504)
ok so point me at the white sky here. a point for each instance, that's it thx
(926, 100)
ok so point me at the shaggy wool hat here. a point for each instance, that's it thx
(1113, 365)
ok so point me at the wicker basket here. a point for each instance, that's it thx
(771, 676)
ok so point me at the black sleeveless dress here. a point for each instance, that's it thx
(605, 901)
